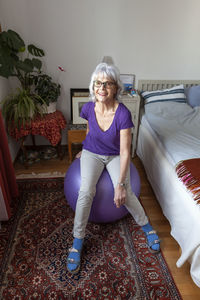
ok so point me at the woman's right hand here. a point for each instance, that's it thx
(78, 155)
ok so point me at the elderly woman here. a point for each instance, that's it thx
(107, 145)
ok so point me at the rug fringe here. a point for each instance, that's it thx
(41, 175)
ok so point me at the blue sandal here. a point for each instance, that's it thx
(153, 241)
(74, 256)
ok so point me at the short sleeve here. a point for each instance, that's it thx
(85, 110)
(126, 119)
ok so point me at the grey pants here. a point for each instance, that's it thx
(92, 166)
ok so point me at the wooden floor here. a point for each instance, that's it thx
(170, 249)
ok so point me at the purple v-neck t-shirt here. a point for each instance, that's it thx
(105, 142)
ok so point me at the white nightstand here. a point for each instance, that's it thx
(133, 104)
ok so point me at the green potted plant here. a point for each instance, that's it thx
(48, 90)
(17, 60)
(18, 108)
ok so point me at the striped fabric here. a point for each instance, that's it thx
(175, 93)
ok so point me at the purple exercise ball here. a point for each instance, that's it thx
(103, 208)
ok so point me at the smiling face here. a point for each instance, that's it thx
(105, 89)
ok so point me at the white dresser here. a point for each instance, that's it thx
(133, 104)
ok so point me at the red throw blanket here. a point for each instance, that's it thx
(188, 172)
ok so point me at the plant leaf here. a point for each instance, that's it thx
(35, 51)
(6, 66)
(37, 63)
(25, 65)
(12, 39)
(28, 62)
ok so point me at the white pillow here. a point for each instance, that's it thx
(175, 93)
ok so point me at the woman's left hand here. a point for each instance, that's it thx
(120, 195)
(78, 155)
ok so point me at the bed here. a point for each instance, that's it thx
(168, 137)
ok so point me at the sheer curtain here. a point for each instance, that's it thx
(8, 184)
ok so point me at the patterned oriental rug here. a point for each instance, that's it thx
(116, 262)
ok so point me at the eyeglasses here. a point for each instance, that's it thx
(106, 84)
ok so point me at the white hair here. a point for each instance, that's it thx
(109, 71)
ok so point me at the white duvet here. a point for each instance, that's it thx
(169, 133)
(178, 128)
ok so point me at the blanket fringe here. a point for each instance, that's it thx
(191, 183)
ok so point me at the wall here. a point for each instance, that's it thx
(149, 38)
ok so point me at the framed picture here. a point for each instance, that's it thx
(128, 81)
(78, 102)
(78, 98)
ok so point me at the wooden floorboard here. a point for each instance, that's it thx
(170, 248)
